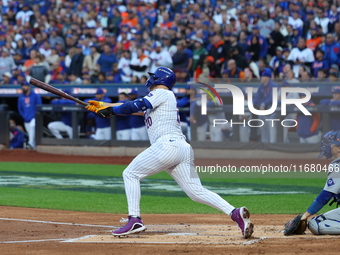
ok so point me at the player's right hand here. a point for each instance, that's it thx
(97, 104)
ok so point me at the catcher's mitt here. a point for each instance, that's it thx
(296, 226)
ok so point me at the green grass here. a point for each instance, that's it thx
(52, 198)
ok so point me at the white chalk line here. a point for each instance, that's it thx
(60, 223)
(32, 241)
(89, 236)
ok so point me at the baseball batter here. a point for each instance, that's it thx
(168, 152)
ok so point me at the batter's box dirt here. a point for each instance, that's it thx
(194, 234)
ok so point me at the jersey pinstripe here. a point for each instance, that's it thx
(163, 119)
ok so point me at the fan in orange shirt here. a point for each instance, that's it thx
(315, 40)
(129, 18)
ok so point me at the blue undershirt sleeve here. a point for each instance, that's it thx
(320, 201)
(137, 105)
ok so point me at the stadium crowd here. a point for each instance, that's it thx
(119, 41)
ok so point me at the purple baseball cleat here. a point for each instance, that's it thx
(134, 225)
(241, 216)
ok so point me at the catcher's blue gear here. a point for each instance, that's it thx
(162, 76)
(331, 137)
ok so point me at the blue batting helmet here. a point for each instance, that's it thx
(331, 137)
(162, 76)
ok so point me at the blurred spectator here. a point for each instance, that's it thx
(46, 50)
(241, 61)
(55, 38)
(76, 66)
(295, 20)
(159, 57)
(263, 100)
(27, 103)
(275, 39)
(24, 15)
(218, 51)
(15, 74)
(90, 61)
(75, 80)
(334, 101)
(322, 75)
(106, 60)
(199, 50)
(168, 46)
(53, 58)
(232, 71)
(103, 131)
(60, 79)
(180, 59)
(262, 41)
(253, 67)
(334, 69)
(331, 50)
(86, 47)
(319, 63)
(138, 129)
(139, 64)
(6, 78)
(254, 48)
(300, 55)
(65, 125)
(307, 24)
(16, 137)
(6, 62)
(125, 71)
(289, 74)
(308, 126)
(321, 20)
(265, 24)
(315, 39)
(123, 126)
(39, 71)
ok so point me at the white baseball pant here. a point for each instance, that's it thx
(103, 134)
(269, 129)
(58, 126)
(202, 132)
(175, 156)
(124, 134)
(30, 129)
(312, 139)
(139, 134)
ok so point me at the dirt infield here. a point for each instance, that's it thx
(40, 231)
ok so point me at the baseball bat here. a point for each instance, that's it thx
(54, 90)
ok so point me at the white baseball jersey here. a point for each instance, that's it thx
(296, 23)
(144, 61)
(168, 152)
(333, 180)
(124, 65)
(163, 118)
(305, 55)
(160, 59)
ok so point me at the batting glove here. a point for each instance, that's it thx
(97, 104)
(103, 112)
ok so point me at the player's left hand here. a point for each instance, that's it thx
(103, 112)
